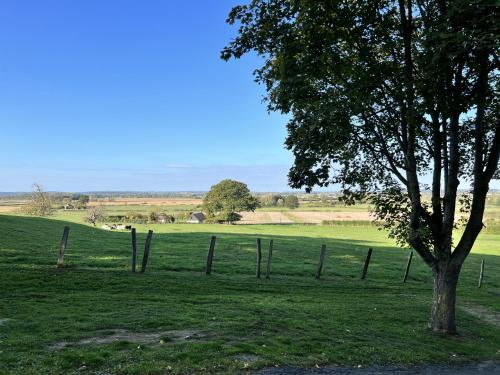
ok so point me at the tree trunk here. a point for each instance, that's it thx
(443, 306)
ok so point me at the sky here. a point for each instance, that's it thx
(131, 95)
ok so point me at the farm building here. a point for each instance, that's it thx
(196, 218)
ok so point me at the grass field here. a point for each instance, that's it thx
(95, 316)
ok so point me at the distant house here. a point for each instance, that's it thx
(196, 218)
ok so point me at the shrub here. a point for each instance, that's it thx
(132, 215)
(153, 216)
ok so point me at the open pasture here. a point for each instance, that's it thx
(11, 205)
(95, 316)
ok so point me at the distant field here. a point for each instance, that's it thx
(263, 217)
(11, 205)
(147, 202)
(309, 212)
(319, 217)
(321, 207)
(7, 208)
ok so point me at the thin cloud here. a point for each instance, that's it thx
(179, 166)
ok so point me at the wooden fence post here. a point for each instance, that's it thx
(407, 271)
(146, 251)
(210, 255)
(269, 260)
(321, 261)
(259, 257)
(481, 274)
(367, 262)
(62, 249)
(134, 248)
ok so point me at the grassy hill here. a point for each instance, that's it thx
(96, 316)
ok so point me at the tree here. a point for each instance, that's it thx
(272, 200)
(94, 214)
(40, 203)
(153, 215)
(82, 202)
(226, 199)
(291, 201)
(381, 94)
(66, 202)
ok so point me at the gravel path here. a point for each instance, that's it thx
(485, 368)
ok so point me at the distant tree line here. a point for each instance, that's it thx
(278, 200)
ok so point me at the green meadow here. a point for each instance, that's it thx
(95, 316)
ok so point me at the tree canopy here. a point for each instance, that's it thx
(383, 95)
(291, 201)
(226, 199)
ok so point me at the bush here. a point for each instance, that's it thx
(115, 218)
(135, 218)
(181, 216)
(132, 215)
(153, 216)
(221, 218)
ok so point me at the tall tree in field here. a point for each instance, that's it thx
(40, 203)
(382, 93)
(226, 199)
(94, 214)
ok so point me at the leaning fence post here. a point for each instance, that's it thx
(259, 257)
(134, 248)
(62, 249)
(269, 260)
(481, 274)
(367, 262)
(321, 261)
(146, 251)
(407, 271)
(210, 255)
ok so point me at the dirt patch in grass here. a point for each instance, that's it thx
(484, 313)
(117, 335)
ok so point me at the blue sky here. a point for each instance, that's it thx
(130, 95)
